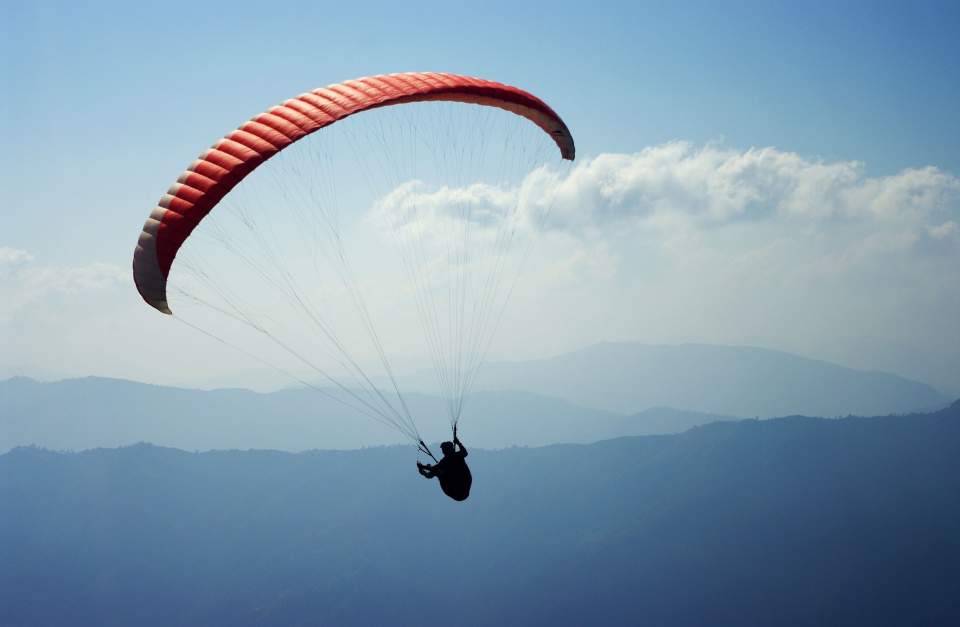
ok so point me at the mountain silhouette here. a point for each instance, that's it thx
(791, 521)
(95, 412)
(734, 380)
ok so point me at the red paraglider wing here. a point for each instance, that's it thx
(223, 166)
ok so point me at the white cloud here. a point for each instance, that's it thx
(712, 186)
(413, 202)
(76, 279)
(678, 187)
(25, 282)
(13, 256)
(60, 320)
(683, 207)
(943, 231)
(672, 243)
(678, 242)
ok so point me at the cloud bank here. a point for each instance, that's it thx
(673, 243)
(24, 282)
(706, 243)
(678, 184)
(711, 186)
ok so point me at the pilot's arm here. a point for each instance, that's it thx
(431, 470)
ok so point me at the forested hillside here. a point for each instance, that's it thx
(792, 521)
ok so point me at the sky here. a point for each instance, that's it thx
(782, 175)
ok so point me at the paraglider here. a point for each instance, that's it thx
(219, 169)
(452, 470)
(454, 234)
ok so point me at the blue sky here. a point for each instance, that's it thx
(118, 94)
(103, 104)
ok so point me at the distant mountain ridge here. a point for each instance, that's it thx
(78, 414)
(596, 393)
(628, 377)
(793, 522)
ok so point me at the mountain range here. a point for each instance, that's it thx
(79, 414)
(627, 377)
(598, 393)
(791, 521)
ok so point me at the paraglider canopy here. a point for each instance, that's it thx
(208, 179)
(455, 256)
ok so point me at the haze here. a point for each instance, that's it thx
(773, 193)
